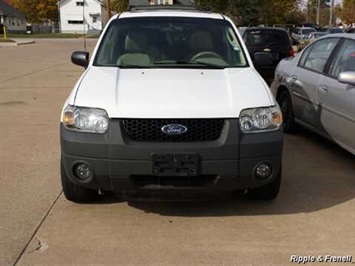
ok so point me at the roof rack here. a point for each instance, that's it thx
(167, 7)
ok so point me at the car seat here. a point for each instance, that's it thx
(136, 47)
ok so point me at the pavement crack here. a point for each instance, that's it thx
(39, 246)
(35, 232)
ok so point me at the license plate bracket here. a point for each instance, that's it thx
(175, 164)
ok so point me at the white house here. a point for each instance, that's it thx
(82, 16)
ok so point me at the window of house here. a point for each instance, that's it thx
(75, 22)
(79, 3)
(94, 19)
(160, 2)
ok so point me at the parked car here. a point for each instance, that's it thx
(299, 34)
(350, 30)
(332, 30)
(312, 37)
(316, 89)
(170, 105)
(274, 41)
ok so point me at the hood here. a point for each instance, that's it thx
(172, 93)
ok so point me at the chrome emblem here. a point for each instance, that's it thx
(174, 129)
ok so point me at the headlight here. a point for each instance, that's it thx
(85, 119)
(262, 119)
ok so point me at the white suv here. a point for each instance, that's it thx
(170, 106)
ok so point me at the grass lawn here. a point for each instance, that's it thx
(5, 40)
(50, 35)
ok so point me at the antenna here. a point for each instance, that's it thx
(84, 25)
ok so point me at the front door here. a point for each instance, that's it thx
(337, 100)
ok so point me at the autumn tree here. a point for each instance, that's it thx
(278, 11)
(38, 10)
(119, 5)
(246, 12)
(312, 8)
(254, 12)
(347, 11)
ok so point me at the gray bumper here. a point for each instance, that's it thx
(228, 163)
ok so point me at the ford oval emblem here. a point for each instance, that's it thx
(174, 129)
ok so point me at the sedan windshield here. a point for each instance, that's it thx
(170, 42)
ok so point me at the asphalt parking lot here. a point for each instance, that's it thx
(314, 214)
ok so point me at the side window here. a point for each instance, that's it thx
(316, 56)
(345, 60)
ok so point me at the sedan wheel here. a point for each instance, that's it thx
(285, 103)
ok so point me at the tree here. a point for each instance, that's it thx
(119, 5)
(254, 12)
(347, 11)
(246, 12)
(38, 10)
(278, 11)
(312, 8)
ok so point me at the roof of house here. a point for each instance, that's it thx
(7, 10)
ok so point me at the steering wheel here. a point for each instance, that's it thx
(205, 54)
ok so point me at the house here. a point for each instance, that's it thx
(13, 19)
(82, 16)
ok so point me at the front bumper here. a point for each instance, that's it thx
(125, 166)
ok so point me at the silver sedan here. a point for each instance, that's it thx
(316, 89)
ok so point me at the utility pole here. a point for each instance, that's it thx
(318, 12)
(331, 13)
(108, 9)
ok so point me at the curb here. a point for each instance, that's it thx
(16, 43)
(24, 43)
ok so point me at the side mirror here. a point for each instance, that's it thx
(347, 77)
(262, 59)
(80, 58)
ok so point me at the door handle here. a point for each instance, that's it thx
(294, 77)
(323, 89)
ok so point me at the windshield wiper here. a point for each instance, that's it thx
(133, 66)
(189, 64)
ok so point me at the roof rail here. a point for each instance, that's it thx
(167, 7)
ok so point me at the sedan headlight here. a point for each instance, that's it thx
(85, 119)
(262, 119)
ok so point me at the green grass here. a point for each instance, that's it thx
(6, 40)
(50, 35)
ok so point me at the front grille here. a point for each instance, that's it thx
(172, 181)
(150, 130)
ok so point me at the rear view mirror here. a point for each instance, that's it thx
(347, 77)
(262, 59)
(80, 58)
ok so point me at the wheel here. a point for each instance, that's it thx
(267, 192)
(284, 100)
(204, 55)
(73, 192)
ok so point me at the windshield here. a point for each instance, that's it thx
(171, 42)
(307, 31)
(267, 37)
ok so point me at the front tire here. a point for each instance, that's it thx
(285, 103)
(267, 192)
(73, 192)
